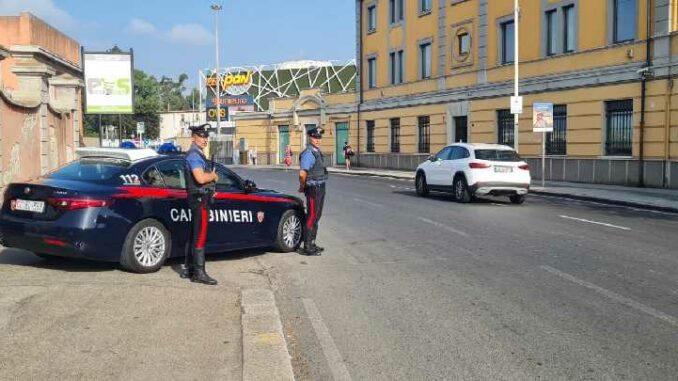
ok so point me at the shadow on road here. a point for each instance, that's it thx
(448, 197)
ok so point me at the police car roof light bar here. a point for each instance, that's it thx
(116, 153)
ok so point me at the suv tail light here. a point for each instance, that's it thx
(524, 167)
(77, 203)
(477, 165)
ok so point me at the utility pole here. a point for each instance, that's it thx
(216, 8)
(516, 117)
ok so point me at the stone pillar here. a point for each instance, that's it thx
(33, 89)
(64, 95)
(3, 54)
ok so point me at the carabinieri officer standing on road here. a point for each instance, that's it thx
(200, 192)
(312, 179)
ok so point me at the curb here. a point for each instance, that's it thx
(607, 201)
(265, 355)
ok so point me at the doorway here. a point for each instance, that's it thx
(283, 142)
(460, 129)
(341, 137)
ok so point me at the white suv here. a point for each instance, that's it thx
(468, 170)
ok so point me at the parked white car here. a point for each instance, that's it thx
(469, 170)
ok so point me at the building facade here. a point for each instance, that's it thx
(40, 98)
(434, 72)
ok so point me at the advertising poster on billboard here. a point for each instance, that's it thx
(108, 82)
(542, 117)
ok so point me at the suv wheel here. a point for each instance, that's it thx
(517, 199)
(461, 192)
(420, 185)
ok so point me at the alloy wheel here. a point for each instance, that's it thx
(149, 246)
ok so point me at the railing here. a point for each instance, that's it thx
(619, 128)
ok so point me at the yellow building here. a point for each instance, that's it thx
(433, 72)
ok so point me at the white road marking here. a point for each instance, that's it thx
(614, 296)
(603, 204)
(403, 188)
(594, 222)
(443, 226)
(370, 203)
(332, 355)
(495, 204)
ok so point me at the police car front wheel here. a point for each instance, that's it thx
(146, 247)
(289, 231)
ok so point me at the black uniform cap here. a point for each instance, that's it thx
(316, 132)
(200, 130)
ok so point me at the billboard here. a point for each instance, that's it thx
(236, 82)
(108, 83)
(542, 117)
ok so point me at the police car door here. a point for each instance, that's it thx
(170, 176)
(233, 219)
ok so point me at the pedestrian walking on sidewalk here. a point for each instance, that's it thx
(288, 155)
(253, 156)
(348, 154)
(312, 180)
(199, 187)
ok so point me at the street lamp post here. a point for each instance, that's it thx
(516, 116)
(216, 8)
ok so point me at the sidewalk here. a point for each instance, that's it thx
(665, 200)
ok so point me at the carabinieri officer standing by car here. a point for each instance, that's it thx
(312, 180)
(199, 186)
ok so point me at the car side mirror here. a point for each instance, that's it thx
(250, 186)
(431, 158)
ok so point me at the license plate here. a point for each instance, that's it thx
(28, 205)
(500, 169)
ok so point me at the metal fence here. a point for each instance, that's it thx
(556, 141)
(619, 128)
(505, 127)
(395, 135)
(424, 123)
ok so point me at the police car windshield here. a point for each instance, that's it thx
(99, 170)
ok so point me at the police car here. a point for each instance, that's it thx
(130, 206)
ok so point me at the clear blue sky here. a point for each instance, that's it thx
(170, 37)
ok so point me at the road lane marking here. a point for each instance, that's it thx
(570, 200)
(614, 296)
(594, 222)
(403, 188)
(443, 226)
(332, 354)
(370, 203)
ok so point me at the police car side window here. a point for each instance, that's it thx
(173, 174)
(153, 177)
(227, 181)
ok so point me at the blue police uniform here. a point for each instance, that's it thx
(199, 200)
(312, 161)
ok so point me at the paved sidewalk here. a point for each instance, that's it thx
(643, 198)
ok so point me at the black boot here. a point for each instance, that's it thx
(187, 268)
(319, 249)
(199, 274)
(309, 249)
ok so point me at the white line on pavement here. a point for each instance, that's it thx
(370, 203)
(332, 355)
(403, 188)
(443, 226)
(603, 204)
(594, 222)
(614, 296)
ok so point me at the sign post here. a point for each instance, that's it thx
(141, 130)
(542, 121)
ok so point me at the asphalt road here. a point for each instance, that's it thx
(424, 288)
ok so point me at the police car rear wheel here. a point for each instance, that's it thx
(146, 247)
(289, 231)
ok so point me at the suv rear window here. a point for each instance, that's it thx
(497, 155)
(98, 170)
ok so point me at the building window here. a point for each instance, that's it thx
(507, 42)
(395, 135)
(505, 126)
(372, 73)
(619, 128)
(551, 34)
(624, 22)
(568, 29)
(396, 67)
(463, 44)
(396, 11)
(556, 141)
(370, 135)
(425, 60)
(372, 19)
(425, 7)
(424, 124)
